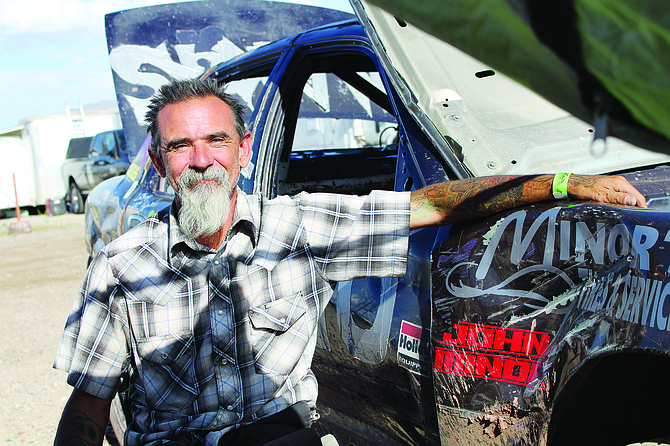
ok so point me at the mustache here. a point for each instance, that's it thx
(191, 178)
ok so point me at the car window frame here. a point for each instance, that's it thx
(277, 128)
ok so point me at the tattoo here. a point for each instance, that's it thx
(78, 429)
(582, 181)
(459, 200)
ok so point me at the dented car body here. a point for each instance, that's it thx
(547, 324)
(527, 306)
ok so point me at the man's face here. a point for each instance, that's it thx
(201, 155)
(200, 134)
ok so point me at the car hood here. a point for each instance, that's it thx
(493, 122)
(148, 46)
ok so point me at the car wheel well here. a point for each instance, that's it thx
(617, 399)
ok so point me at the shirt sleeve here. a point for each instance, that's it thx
(93, 350)
(354, 237)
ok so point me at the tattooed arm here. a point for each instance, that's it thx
(83, 421)
(447, 203)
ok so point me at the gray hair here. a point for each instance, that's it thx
(182, 90)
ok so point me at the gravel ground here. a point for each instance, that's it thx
(40, 272)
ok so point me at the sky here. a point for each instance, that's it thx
(53, 54)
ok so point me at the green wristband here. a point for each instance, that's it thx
(559, 186)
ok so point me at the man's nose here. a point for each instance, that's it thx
(201, 156)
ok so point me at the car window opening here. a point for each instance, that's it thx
(344, 136)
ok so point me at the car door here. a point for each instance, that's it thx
(330, 126)
(103, 162)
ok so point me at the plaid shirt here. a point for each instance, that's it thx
(217, 339)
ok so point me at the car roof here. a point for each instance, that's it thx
(266, 56)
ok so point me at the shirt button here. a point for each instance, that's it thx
(224, 361)
(230, 407)
(216, 262)
(220, 312)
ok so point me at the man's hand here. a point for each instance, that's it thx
(608, 189)
(84, 421)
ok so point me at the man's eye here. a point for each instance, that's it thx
(178, 148)
(218, 142)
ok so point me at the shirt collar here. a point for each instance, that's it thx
(247, 216)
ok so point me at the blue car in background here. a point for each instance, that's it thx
(548, 324)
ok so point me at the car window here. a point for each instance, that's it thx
(121, 142)
(103, 144)
(79, 147)
(335, 115)
(343, 141)
(247, 90)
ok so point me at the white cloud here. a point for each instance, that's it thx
(39, 16)
(30, 16)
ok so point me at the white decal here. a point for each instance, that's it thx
(639, 301)
(127, 62)
(629, 298)
(143, 65)
(601, 245)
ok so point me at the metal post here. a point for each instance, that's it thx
(16, 199)
(18, 226)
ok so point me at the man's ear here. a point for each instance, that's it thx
(245, 150)
(157, 161)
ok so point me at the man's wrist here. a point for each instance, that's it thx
(559, 187)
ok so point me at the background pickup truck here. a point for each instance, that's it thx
(90, 161)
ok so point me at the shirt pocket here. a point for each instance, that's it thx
(280, 333)
(167, 369)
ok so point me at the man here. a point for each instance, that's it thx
(211, 308)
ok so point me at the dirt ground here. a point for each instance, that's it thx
(40, 273)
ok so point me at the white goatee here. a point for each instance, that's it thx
(205, 201)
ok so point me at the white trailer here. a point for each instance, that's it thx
(33, 152)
